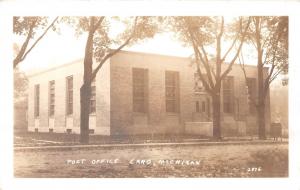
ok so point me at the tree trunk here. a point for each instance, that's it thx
(261, 121)
(85, 90)
(260, 106)
(22, 51)
(261, 98)
(85, 94)
(216, 114)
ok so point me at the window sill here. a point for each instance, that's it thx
(140, 113)
(172, 113)
(200, 93)
(228, 114)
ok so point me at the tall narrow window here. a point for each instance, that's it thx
(69, 95)
(93, 97)
(37, 100)
(140, 92)
(51, 97)
(251, 84)
(172, 91)
(208, 107)
(228, 99)
(203, 106)
(197, 107)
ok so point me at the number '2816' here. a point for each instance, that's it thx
(254, 169)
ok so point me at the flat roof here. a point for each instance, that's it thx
(121, 51)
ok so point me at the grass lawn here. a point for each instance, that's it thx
(250, 160)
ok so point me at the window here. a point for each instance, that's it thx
(199, 87)
(208, 107)
(197, 107)
(69, 95)
(140, 89)
(51, 97)
(37, 100)
(251, 84)
(93, 97)
(203, 106)
(91, 131)
(172, 91)
(228, 99)
(69, 131)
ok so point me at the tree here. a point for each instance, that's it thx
(20, 100)
(20, 85)
(269, 36)
(201, 32)
(98, 46)
(29, 26)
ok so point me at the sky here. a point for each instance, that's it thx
(64, 47)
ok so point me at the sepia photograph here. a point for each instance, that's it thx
(151, 96)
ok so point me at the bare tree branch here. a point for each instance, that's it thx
(269, 80)
(218, 48)
(113, 52)
(98, 23)
(206, 85)
(205, 62)
(253, 43)
(238, 52)
(242, 64)
(38, 39)
(198, 56)
(233, 43)
(229, 49)
(18, 59)
(207, 67)
(270, 76)
(266, 57)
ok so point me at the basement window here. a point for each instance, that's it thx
(69, 131)
(91, 131)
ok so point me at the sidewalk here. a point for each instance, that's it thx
(185, 142)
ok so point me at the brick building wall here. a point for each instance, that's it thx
(99, 121)
(155, 120)
(114, 113)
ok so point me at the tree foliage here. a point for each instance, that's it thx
(20, 85)
(201, 33)
(135, 30)
(269, 36)
(29, 27)
(101, 46)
